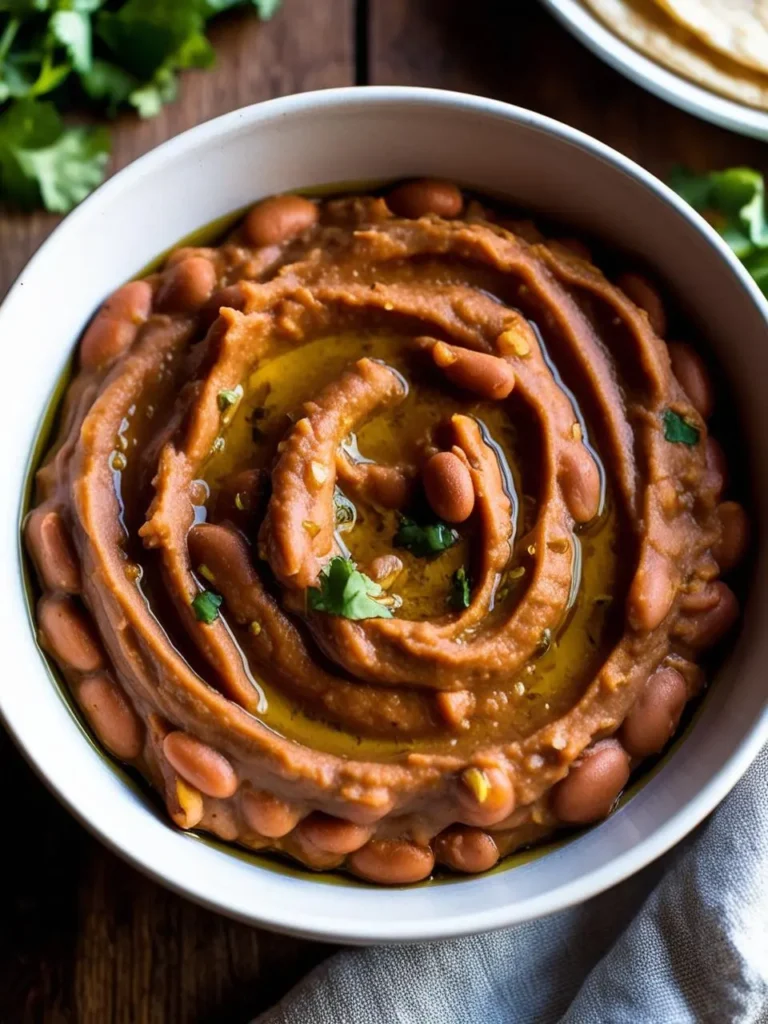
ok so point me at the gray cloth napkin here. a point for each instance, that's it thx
(684, 941)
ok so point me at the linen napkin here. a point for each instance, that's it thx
(683, 942)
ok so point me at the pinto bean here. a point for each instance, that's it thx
(200, 765)
(651, 594)
(132, 302)
(187, 285)
(279, 219)
(466, 849)
(414, 199)
(710, 626)
(51, 550)
(267, 814)
(111, 716)
(732, 546)
(591, 787)
(486, 798)
(114, 328)
(693, 377)
(579, 481)
(392, 862)
(104, 341)
(68, 633)
(654, 716)
(448, 486)
(333, 835)
(486, 375)
(640, 290)
(186, 252)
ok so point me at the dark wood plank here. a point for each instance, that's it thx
(518, 53)
(85, 939)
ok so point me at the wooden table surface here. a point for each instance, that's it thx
(83, 937)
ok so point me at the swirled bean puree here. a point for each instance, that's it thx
(386, 533)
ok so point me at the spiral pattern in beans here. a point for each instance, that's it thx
(387, 533)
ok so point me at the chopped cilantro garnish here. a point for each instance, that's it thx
(461, 590)
(206, 606)
(424, 541)
(347, 592)
(678, 430)
(229, 397)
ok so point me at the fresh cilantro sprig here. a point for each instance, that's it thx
(347, 592)
(60, 55)
(733, 201)
(424, 541)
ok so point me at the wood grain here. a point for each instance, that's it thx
(85, 939)
(516, 52)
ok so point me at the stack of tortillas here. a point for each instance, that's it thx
(719, 44)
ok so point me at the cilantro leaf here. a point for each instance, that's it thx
(108, 83)
(424, 541)
(40, 159)
(115, 53)
(732, 200)
(347, 592)
(264, 8)
(149, 99)
(70, 169)
(461, 590)
(206, 606)
(678, 430)
(73, 30)
(144, 34)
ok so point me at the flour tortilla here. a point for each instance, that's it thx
(646, 27)
(737, 28)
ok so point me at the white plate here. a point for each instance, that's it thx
(363, 135)
(710, 106)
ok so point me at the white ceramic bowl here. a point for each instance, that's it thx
(692, 98)
(357, 135)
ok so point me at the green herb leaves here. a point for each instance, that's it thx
(229, 397)
(41, 160)
(110, 53)
(733, 201)
(206, 606)
(347, 592)
(460, 596)
(678, 430)
(424, 541)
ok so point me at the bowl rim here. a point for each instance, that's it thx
(460, 923)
